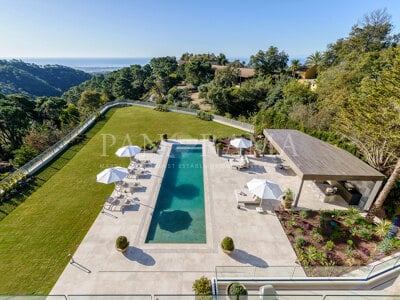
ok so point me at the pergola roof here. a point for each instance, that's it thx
(313, 159)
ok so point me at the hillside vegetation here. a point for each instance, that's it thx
(17, 76)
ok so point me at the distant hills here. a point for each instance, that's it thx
(17, 76)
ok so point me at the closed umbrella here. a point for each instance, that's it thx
(265, 189)
(241, 143)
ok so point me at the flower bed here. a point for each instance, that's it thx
(336, 238)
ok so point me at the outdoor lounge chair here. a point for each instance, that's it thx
(246, 198)
(267, 292)
(241, 163)
(110, 203)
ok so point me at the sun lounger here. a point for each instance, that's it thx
(110, 203)
(246, 198)
(240, 163)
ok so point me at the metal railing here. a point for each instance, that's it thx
(110, 297)
(289, 273)
(253, 295)
(46, 156)
(233, 123)
(33, 297)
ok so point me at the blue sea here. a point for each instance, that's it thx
(102, 65)
(90, 65)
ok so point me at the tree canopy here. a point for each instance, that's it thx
(17, 76)
(269, 62)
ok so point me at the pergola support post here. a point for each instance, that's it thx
(372, 195)
(298, 194)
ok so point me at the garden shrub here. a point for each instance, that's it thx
(299, 231)
(23, 155)
(236, 289)
(350, 243)
(161, 107)
(316, 235)
(78, 139)
(121, 242)
(335, 235)
(300, 241)
(312, 254)
(329, 245)
(204, 115)
(227, 243)
(365, 233)
(383, 228)
(349, 251)
(303, 214)
(202, 286)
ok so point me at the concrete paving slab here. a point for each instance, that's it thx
(171, 268)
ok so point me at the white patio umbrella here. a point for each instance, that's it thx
(265, 189)
(111, 175)
(241, 143)
(128, 151)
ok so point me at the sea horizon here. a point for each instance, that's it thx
(92, 65)
(99, 65)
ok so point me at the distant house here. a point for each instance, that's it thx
(308, 75)
(244, 73)
(307, 72)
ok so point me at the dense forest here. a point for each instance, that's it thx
(353, 102)
(32, 80)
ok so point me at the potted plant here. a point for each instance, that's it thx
(258, 147)
(122, 244)
(202, 288)
(219, 148)
(227, 245)
(287, 198)
(236, 291)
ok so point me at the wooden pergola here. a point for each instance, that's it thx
(313, 159)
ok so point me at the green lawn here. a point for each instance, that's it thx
(37, 236)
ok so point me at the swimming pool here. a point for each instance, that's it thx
(178, 216)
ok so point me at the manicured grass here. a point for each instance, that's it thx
(37, 236)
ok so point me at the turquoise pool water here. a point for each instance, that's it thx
(179, 213)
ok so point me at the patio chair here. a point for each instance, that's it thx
(110, 203)
(140, 171)
(245, 198)
(241, 163)
(118, 190)
(267, 292)
(133, 173)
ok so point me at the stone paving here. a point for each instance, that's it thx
(97, 268)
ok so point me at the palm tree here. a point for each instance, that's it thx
(314, 59)
(295, 64)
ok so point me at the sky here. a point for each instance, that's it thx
(151, 28)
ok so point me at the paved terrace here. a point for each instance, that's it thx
(171, 268)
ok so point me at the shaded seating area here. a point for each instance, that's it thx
(315, 160)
